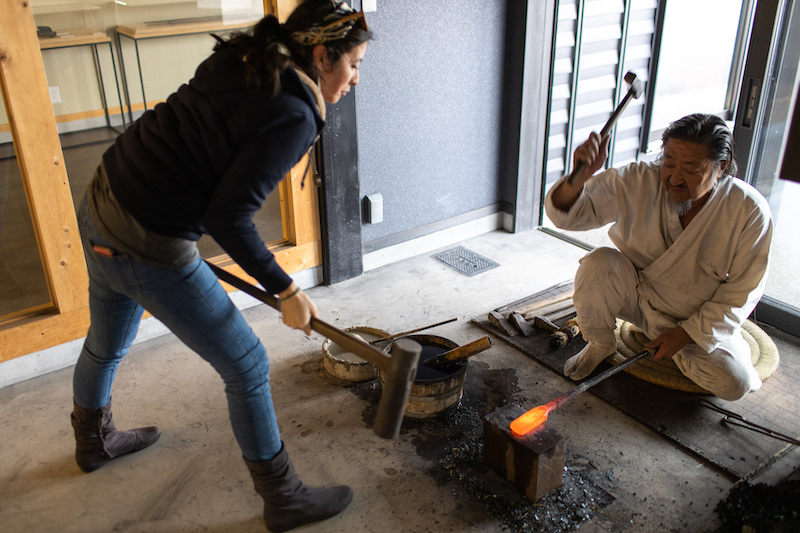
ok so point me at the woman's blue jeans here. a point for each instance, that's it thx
(191, 303)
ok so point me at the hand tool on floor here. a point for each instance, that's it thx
(400, 367)
(542, 322)
(735, 419)
(500, 322)
(562, 336)
(521, 323)
(634, 92)
(538, 415)
(406, 333)
(442, 361)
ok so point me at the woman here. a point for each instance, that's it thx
(203, 162)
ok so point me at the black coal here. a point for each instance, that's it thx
(762, 508)
(454, 442)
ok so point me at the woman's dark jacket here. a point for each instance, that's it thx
(206, 159)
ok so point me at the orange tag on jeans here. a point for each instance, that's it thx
(103, 250)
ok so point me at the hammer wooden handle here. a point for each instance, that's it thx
(346, 340)
(457, 354)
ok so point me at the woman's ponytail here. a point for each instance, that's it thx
(263, 51)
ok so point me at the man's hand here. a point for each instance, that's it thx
(593, 154)
(669, 343)
(297, 308)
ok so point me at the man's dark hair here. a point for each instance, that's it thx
(709, 131)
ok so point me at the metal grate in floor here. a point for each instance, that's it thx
(465, 261)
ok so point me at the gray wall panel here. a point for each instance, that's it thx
(429, 110)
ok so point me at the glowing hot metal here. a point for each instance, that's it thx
(538, 415)
(535, 417)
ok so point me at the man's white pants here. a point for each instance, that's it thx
(606, 287)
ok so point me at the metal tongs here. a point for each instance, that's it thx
(738, 420)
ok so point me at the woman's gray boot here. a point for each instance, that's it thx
(97, 440)
(288, 502)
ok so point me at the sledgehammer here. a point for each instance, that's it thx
(634, 92)
(400, 368)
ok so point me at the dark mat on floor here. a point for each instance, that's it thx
(678, 416)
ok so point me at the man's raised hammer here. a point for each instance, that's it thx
(634, 92)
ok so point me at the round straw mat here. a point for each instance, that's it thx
(630, 341)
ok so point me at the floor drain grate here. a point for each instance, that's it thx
(465, 261)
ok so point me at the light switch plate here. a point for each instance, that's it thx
(369, 5)
(55, 95)
(374, 208)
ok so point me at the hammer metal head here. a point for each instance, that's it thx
(636, 84)
(400, 374)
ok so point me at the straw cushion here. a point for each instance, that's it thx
(665, 373)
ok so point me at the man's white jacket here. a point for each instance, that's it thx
(706, 278)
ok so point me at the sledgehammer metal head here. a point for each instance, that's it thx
(635, 83)
(400, 374)
(635, 91)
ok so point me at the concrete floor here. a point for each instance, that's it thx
(193, 478)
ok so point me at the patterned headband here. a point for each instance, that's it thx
(335, 26)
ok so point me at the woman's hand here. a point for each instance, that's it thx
(296, 308)
(668, 343)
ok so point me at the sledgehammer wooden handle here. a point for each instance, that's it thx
(400, 368)
(457, 354)
(347, 341)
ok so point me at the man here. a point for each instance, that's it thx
(691, 260)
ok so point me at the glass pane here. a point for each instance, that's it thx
(267, 220)
(161, 45)
(78, 55)
(81, 68)
(782, 194)
(694, 67)
(23, 285)
(782, 282)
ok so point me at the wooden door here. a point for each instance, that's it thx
(38, 150)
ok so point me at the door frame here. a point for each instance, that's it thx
(775, 22)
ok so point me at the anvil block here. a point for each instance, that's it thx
(533, 463)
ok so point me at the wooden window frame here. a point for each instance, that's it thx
(44, 176)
